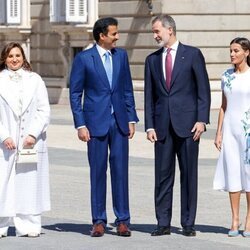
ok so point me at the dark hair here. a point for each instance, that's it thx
(5, 53)
(101, 26)
(245, 45)
(167, 21)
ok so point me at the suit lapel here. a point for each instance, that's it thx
(28, 91)
(116, 67)
(29, 88)
(99, 68)
(6, 91)
(159, 68)
(179, 60)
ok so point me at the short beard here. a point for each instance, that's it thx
(160, 44)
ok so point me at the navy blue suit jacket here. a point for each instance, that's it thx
(88, 77)
(187, 101)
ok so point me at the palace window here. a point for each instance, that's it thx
(10, 12)
(74, 11)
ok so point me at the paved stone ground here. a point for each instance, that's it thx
(68, 224)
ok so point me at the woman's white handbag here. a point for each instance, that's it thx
(28, 155)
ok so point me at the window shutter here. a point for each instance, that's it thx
(2, 11)
(13, 11)
(52, 12)
(57, 11)
(76, 11)
(62, 11)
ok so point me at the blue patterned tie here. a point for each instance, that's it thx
(108, 67)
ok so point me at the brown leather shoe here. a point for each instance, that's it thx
(123, 230)
(97, 230)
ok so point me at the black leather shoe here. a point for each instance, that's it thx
(161, 231)
(188, 231)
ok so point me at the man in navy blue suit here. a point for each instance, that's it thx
(105, 120)
(177, 105)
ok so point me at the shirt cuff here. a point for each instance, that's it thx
(81, 127)
(150, 129)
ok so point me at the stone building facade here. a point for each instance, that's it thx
(53, 31)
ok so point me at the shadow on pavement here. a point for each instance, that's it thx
(148, 228)
(74, 228)
(143, 228)
(211, 229)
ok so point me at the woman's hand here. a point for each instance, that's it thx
(218, 141)
(29, 142)
(9, 144)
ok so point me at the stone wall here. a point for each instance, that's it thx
(209, 25)
(45, 43)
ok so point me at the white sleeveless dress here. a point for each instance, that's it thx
(233, 167)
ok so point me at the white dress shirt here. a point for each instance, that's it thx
(173, 54)
(164, 54)
(102, 53)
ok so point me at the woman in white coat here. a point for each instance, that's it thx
(24, 117)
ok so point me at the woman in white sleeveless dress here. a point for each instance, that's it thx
(233, 133)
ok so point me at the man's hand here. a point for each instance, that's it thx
(198, 129)
(151, 136)
(131, 130)
(83, 134)
(9, 144)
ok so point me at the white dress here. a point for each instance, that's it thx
(233, 167)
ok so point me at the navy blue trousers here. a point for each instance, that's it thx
(166, 151)
(112, 147)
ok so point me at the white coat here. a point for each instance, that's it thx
(24, 188)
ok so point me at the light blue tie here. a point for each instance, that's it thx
(108, 67)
